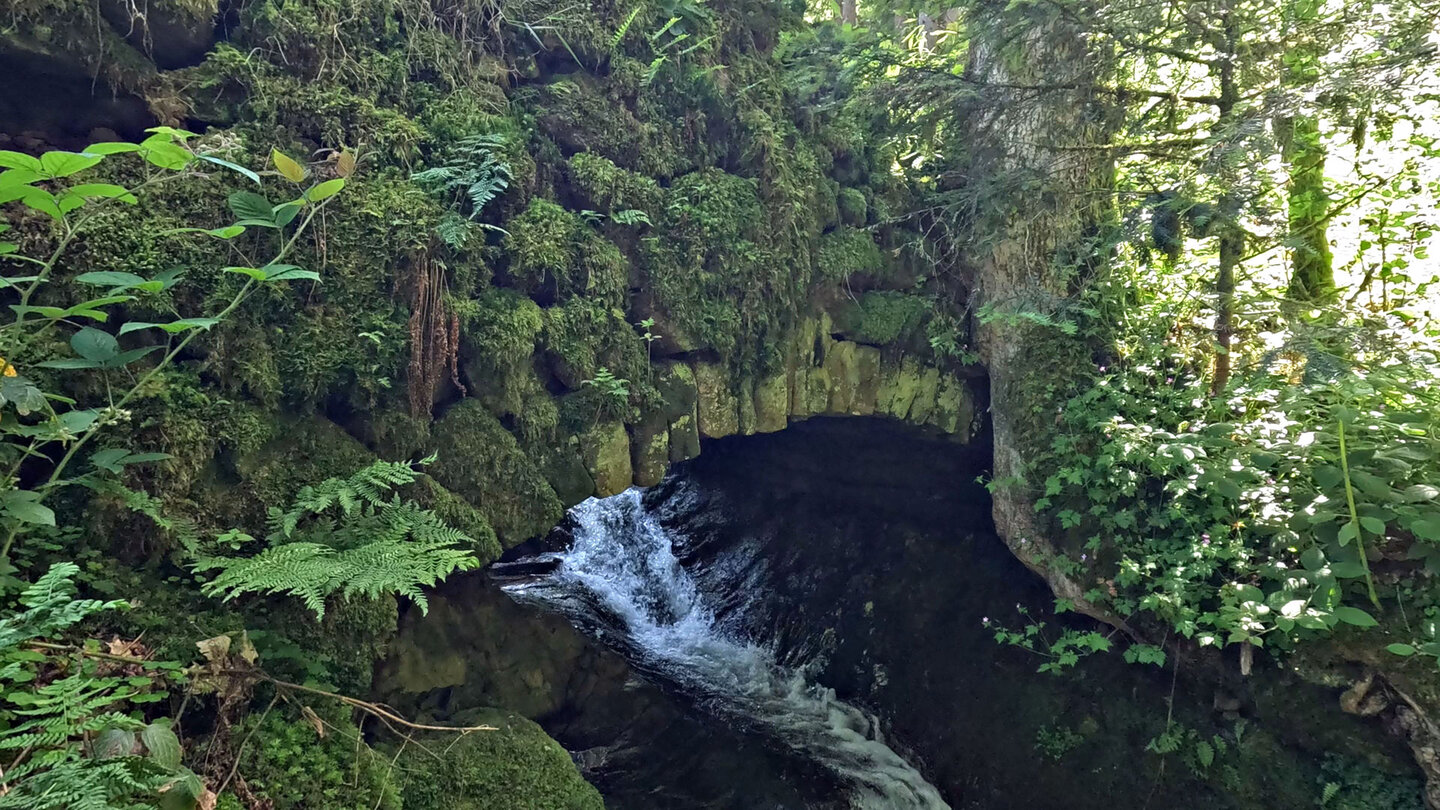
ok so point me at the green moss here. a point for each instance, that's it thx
(554, 253)
(886, 317)
(706, 262)
(582, 335)
(847, 252)
(608, 188)
(852, 206)
(515, 767)
(295, 768)
(501, 327)
(581, 116)
(482, 463)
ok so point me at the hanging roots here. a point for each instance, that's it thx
(434, 334)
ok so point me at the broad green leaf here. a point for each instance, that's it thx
(94, 344)
(46, 312)
(1427, 529)
(292, 274)
(234, 167)
(285, 212)
(125, 358)
(162, 744)
(64, 164)
(43, 201)
(112, 743)
(106, 191)
(17, 160)
(1418, 493)
(1373, 525)
(161, 152)
(253, 272)
(1401, 649)
(112, 148)
(174, 327)
(1348, 532)
(247, 205)
(1347, 570)
(114, 278)
(1313, 559)
(78, 421)
(287, 166)
(171, 132)
(30, 512)
(18, 177)
(325, 190)
(1355, 616)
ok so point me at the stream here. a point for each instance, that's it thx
(621, 583)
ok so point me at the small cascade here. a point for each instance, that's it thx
(622, 583)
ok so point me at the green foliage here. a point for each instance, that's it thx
(70, 734)
(610, 189)
(345, 536)
(472, 174)
(887, 317)
(847, 252)
(614, 392)
(1350, 785)
(852, 207)
(555, 253)
(1057, 741)
(1061, 653)
(295, 766)
(502, 327)
(494, 769)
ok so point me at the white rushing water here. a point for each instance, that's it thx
(622, 573)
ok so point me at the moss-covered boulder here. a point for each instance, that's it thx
(605, 449)
(718, 408)
(650, 452)
(560, 461)
(772, 403)
(479, 460)
(516, 767)
(685, 436)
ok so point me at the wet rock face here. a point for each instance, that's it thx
(644, 749)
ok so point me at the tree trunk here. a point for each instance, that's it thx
(850, 12)
(1232, 236)
(1035, 250)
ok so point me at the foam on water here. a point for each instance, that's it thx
(621, 577)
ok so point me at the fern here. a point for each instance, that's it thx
(347, 536)
(474, 174)
(68, 742)
(624, 29)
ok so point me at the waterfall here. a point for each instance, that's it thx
(621, 582)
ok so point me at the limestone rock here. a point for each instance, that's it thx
(605, 448)
(954, 407)
(650, 454)
(684, 437)
(745, 406)
(772, 401)
(479, 460)
(867, 374)
(676, 384)
(560, 463)
(843, 372)
(718, 410)
(926, 391)
(900, 383)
